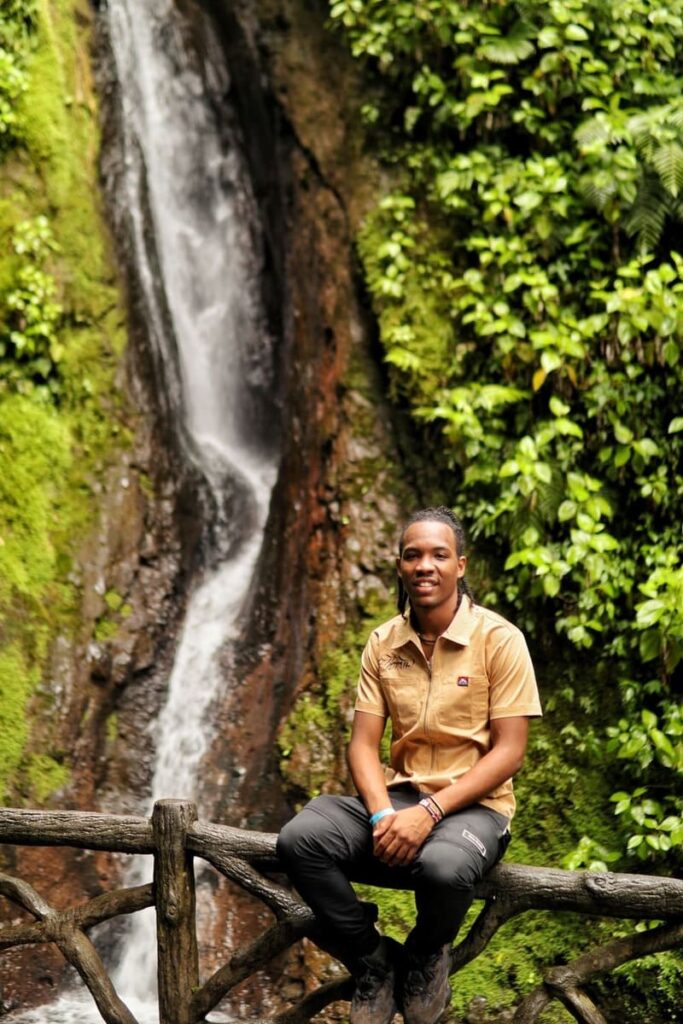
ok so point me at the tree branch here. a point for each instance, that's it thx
(316, 1001)
(276, 897)
(111, 904)
(590, 892)
(118, 833)
(494, 914)
(246, 961)
(25, 896)
(80, 952)
(236, 842)
(581, 1006)
(563, 982)
(100, 908)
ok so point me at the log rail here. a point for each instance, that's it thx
(174, 836)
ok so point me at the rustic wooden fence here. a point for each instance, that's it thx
(174, 836)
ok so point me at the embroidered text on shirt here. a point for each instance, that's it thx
(395, 661)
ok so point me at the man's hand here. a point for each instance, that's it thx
(397, 838)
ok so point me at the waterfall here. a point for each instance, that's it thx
(191, 224)
(196, 190)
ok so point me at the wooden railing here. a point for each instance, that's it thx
(174, 836)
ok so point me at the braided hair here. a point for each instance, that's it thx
(439, 514)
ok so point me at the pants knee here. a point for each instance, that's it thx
(287, 841)
(306, 836)
(447, 874)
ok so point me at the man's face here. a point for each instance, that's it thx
(429, 565)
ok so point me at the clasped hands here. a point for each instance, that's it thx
(397, 838)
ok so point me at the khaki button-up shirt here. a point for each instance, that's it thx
(441, 714)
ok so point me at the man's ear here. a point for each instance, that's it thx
(462, 565)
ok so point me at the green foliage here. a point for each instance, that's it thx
(16, 682)
(12, 85)
(30, 348)
(652, 981)
(44, 775)
(526, 277)
(588, 855)
(319, 725)
(61, 333)
(34, 456)
(17, 18)
(530, 304)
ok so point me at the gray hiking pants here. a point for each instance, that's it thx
(328, 845)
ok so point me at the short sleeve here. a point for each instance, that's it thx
(513, 689)
(370, 697)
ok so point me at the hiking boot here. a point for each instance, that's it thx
(373, 1000)
(426, 993)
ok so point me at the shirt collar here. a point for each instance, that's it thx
(459, 631)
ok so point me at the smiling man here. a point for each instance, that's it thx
(457, 682)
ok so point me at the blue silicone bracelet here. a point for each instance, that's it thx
(378, 815)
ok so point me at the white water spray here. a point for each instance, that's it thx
(190, 216)
(202, 211)
(200, 272)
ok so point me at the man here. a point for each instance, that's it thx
(457, 683)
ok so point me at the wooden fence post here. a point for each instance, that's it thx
(178, 971)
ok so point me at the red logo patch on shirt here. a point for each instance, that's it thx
(463, 681)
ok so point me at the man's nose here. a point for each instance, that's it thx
(425, 564)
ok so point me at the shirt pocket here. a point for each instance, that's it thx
(403, 696)
(465, 701)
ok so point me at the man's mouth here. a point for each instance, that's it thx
(423, 586)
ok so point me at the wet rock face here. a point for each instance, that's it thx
(104, 685)
(329, 541)
(105, 689)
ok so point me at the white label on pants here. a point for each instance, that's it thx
(475, 841)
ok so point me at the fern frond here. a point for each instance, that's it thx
(658, 85)
(595, 131)
(551, 496)
(513, 48)
(675, 118)
(648, 214)
(676, 210)
(519, 522)
(668, 162)
(597, 189)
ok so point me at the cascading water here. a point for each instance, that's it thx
(198, 269)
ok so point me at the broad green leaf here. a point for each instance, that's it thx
(576, 33)
(622, 433)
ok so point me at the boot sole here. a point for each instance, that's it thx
(441, 1016)
(383, 1020)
